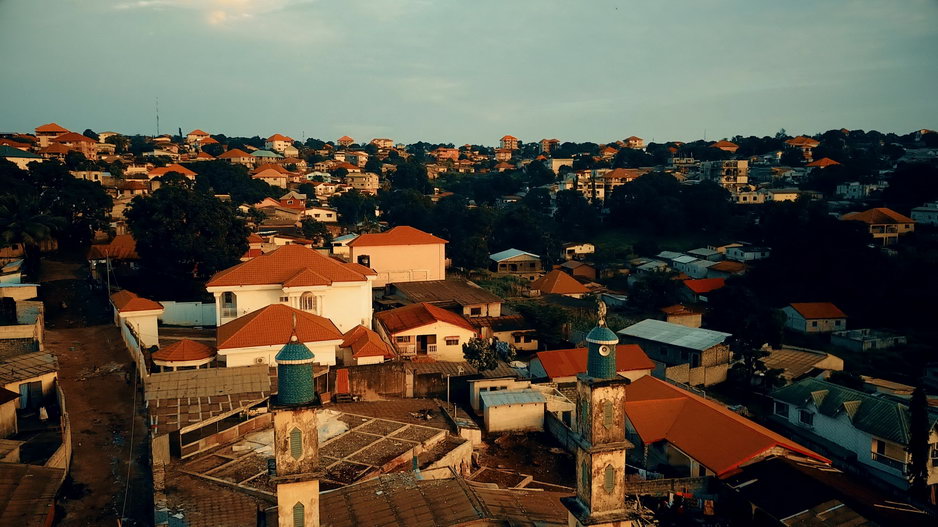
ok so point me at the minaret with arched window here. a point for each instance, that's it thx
(296, 439)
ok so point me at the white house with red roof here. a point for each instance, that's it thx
(425, 330)
(278, 143)
(361, 346)
(196, 136)
(257, 337)
(298, 277)
(47, 132)
(173, 167)
(402, 254)
(138, 316)
(814, 317)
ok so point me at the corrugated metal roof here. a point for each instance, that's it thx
(675, 335)
(509, 253)
(18, 362)
(507, 397)
(684, 259)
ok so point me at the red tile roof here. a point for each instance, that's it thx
(418, 315)
(233, 153)
(558, 282)
(54, 148)
(285, 263)
(401, 235)
(174, 167)
(878, 216)
(802, 141)
(270, 166)
(125, 302)
(273, 325)
(184, 350)
(204, 155)
(345, 138)
(704, 285)
(724, 145)
(122, 247)
(73, 137)
(813, 310)
(197, 132)
(716, 437)
(570, 362)
(824, 162)
(208, 140)
(366, 343)
(509, 138)
(279, 137)
(255, 238)
(50, 128)
(14, 144)
(729, 266)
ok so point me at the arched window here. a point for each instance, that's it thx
(299, 515)
(308, 302)
(296, 443)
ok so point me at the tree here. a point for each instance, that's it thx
(410, 175)
(918, 445)
(484, 354)
(353, 207)
(655, 290)
(537, 199)
(84, 206)
(184, 236)
(316, 230)
(575, 216)
(22, 222)
(89, 133)
(550, 321)
(406, 207)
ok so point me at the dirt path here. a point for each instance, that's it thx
(93, 370)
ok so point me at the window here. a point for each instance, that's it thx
(806, 417)
(838, 322)
(296, 443)
(308, 302)
(475, 311)
(402, 338)
(517, 339)
(608, 415)
(299, 515)
(452, 341)
(781, 409)
(609, 476)
(814, 323)
(227, 297)
(284, 299)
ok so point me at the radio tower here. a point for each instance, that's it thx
(157, 116)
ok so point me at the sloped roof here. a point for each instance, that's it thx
(418, 315)
(269, 174)
(802, 141)
(197, 132)
(126, 301)
(266, 153)
(450, 290)
(724, 145)
(878, 416)
(270, 166)
(628, 174)
(174, 167)
(570, 362)
(729, 266)
(877, 216)
(675, 334)
(73, 137)
(233, 153)
(366, 343)
(558, 282)
(401, 235)
(715, 436)
(279, 137)
(204, 155)
(284, 263)
(27, 493)
(509, 397)
(823, 163)
(273, 325)
(50, 128)
(122, 247)
(509, 138)
(510, 253)
(54, 148)
(345, 138)
(9, 151)
(704, 285)
(184, 350)
(812, 310)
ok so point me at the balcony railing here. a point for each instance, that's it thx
(431, 348)
(889, 462)
(229, 312)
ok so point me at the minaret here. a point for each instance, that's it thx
(600, 436)
(296, 437)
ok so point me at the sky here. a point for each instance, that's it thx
(470, 71)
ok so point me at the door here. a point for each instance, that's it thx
(31, 394)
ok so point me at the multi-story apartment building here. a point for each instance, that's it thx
(731, 174)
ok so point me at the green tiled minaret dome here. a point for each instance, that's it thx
(295, 374)
(601, 349)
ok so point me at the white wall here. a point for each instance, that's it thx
(441, 330)
(324, 351)
(515, 417)
(404, 263)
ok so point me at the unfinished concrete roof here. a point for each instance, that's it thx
(675, 334)
(19, 361)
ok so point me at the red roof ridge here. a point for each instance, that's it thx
(50, 127)
(184, 350)
(400, 235)
(812, 310)
(419, 315)
(559, 283)
(282, 264)
(273, 325)
(126, 301)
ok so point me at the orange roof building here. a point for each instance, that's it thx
(676, 424)
(257, 337)
(726, 146)
(300, 277)
(125, 301)
(363, 346)
(279, 137)
(824, 162)
(174, 167)
(563, 366)
(703, 286)
(425, 331)
(814, 317)
(185, 353)
(345, 141)
(51, 128)
(402, 254)
(884, 225)
(558, 282)
(122, 247)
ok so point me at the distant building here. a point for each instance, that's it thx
(731, 174)
(693, 356)
(558, 282)
(805, 144)
(402, 254)
(635, 142)
(927, 214)
(426, 330)
(726, 146)
(514, 261)
(508, 142)
(884, 225)
(345, 141)
(814, 317)
(860, 340)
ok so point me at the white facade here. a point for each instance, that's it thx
(515, 417)
(402, 263)
(346, 304)
(323, 350)
(747, 253)
(439, 340)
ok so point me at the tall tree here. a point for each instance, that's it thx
(22, 222)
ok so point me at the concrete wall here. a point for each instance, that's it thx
(404, 263)
(515, 417)
(188, 313)
(8, 418)
(374, 380)
(225, 436)
(48, 385)
(477, 386)
(444, 352)
(19, 291)
(795, 321)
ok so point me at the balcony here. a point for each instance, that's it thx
(889, 462)
(229, 311)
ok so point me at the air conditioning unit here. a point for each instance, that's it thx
(259, 360)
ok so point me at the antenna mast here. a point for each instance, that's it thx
(157, 116)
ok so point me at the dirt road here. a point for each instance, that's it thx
(93, 370)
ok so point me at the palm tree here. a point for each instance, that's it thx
(23, 223)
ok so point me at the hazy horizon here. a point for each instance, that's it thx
(470, 72)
